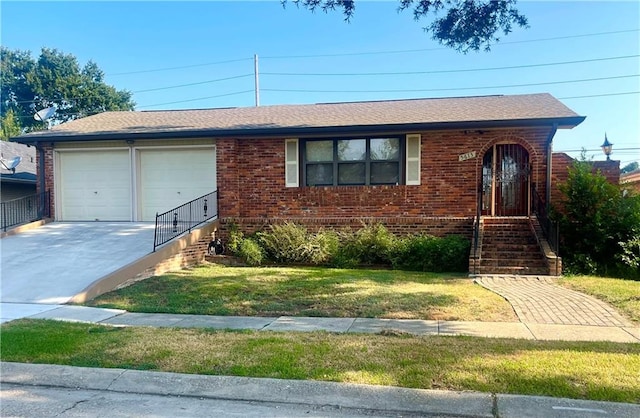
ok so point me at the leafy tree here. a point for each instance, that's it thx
(598, 223)
(55, 79)
(9, 125)
(464, 25)
(629, 167)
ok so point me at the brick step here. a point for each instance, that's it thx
(512, 262)
(506, 232)
(505, 221)
(519, 255)
(493, 241)
(512, 247)
(511, 270)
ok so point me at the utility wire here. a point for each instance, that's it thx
(180, 67)
(199, 98)
(193, 84)
(454, 88)
(600, 95)
(457, 70)
(365, 53)
(406, 51)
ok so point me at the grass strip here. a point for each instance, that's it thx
(622, 294)
(582, 370)
(275, 291)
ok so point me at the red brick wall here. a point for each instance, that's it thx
(252, 191)
(48, 173)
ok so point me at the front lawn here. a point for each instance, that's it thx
(274, 291)
(585, 370)
(622, 294)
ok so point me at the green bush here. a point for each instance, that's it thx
(251, 252)
(292, 243)
(370, 245)
(429, 253)
(597, 223)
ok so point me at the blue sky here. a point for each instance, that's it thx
(135, 43)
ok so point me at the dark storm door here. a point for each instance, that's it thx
(505, 181)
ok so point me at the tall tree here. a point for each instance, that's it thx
(629, 167)
(55, 80)
(464, 25)
(9, 125)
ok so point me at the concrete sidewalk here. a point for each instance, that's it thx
(343, 399)
(529, 331)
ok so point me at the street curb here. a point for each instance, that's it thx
(303, 392)
(351, 396)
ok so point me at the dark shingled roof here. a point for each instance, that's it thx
(26, 170)
(516, 110)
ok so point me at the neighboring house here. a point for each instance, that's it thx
(20, 182)
(631, 180)
(421, 165)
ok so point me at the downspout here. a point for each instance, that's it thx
(547, 197)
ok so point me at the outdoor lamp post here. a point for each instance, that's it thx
(607, 147)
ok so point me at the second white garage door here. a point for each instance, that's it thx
(170, 178)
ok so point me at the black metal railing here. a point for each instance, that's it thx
(476, 229)
(24, 209)
(177, 221)
(550, 228)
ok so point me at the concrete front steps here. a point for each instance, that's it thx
(509, 246)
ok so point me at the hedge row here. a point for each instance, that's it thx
(372, 245)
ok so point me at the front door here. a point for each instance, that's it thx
(505, 181)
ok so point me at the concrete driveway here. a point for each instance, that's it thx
(53, 263)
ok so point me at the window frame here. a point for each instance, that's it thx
(400, 161)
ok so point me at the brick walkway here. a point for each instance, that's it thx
(537, 299)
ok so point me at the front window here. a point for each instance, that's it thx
(357, 161)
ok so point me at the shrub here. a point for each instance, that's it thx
(370, 245)
(429, 253)
(251, 252)
(292, 243)
(596, 220)
(235, 239)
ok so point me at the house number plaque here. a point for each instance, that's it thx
(467, 156)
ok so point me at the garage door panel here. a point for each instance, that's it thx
(170, 178)
(95, 185)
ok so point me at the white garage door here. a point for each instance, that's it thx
(170, 178)
(95, 185)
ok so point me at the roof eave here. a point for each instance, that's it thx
(562, 123)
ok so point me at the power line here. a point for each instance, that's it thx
(193, 84)
(405, 51)
(457, 70)
(199, 98)
(180, 67)
(454, 88)
(599, 95)
(363, 53)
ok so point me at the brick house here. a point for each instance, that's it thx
(422, 165)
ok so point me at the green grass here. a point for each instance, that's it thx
(583, 370)
(622, 294)
(219, 290)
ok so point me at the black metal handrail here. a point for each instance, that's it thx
(183, 218)
(25, 209)
(476, 229)
(550, 228)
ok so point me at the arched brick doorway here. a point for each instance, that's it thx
(506, 175)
